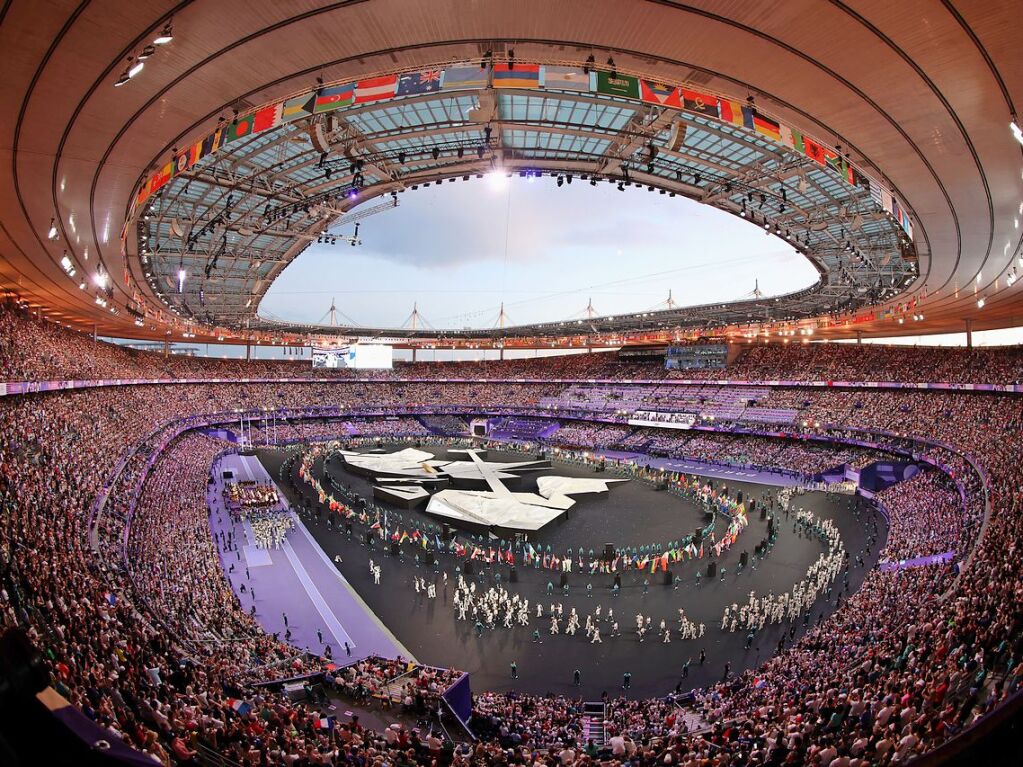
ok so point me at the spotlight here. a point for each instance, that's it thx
(435, 153)
(52, 233)
(135, 68)
(614, 69)
(165, 36)
(511, 60)
(1017, 133)
(561, 181)
(590, 61)
(147, 52)
(980, 303)
(122, 79)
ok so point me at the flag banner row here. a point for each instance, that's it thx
(471, 76)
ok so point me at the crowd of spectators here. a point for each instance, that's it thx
(151, 643)
(928, 516)
(35, 349)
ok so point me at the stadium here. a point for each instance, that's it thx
(482, 383)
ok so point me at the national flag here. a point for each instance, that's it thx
(815, 151)
(267, 117)
(110, 598)
(735, 113)
(835, 162)
(161, 177)
(618, 85)
(659, 93)
(240, 128)
(792, 139)
(566, 78)
(375, 89)
(704, 103)
(856, 178)
(521, 76)
(414, 83)
(239, 706)
(298, 107)
(212, 143)
(463, 77)
(334, 97)
(765, 126)
(326, 722)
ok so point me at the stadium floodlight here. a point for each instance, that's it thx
(497, 180)
(52, 233)
(135, 68)
(165, 36)
(980, 303)
(182, 274)
(1017, 133)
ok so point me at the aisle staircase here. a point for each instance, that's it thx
(393, 690)
(594, 723)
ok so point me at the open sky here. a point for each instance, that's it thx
(460, 249)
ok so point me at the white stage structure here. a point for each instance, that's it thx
(404, 476)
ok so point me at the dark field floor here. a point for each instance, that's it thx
(632, 514)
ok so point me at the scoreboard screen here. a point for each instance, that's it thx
(696, 357)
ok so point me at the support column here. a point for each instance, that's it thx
(969, 334)
(166, 348)
(859, 336)
(413, 354)
(248, 350)
(502, 353)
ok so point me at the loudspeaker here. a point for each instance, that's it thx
(698, 536)
(668, 577)
(513, 575)
(428, 557)
(467, 567)
(618, 580)
(712, 569)
(662, 486)
(369, 539)
(449, 532)
(564, 580)
(763, 512)
(348, 527)
(609, 552)
(395, 548)
(770, 527)
(227, 474)
(744, 559)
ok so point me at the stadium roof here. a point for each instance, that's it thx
(877, 140)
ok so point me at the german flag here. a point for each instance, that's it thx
(765, 126)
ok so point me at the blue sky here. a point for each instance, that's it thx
(462, 248)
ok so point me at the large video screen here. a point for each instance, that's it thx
(356, 357)
(370, 357)
(696, 357)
